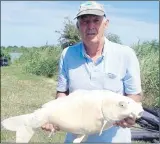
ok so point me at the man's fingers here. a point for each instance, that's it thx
(44, 126)
(123, 123)
(57, 128)
(50, 127)
(47, 127)
(130, 121)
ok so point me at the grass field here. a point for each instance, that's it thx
(22, 93)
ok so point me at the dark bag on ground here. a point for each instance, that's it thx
(149, 126)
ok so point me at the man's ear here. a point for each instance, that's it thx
(106, 23)
(77, 25)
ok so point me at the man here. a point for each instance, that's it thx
(97, 63)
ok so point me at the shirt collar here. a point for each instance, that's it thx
(84, 54)
(106, 42)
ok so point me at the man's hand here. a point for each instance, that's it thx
(127, 122)
(50, 127)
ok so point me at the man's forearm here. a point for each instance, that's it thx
(61, 94)
(137, 97)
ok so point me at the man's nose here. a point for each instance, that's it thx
(90, 24)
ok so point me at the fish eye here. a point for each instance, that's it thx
(122, 104)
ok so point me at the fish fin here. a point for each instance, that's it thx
(19, 124)
(13, 123)
(80, 138)
(104, 123)
(24, 134)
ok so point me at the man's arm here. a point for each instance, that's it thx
(132, 85)
(61, 94)
(137, 97)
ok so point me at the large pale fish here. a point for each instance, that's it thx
(83, 112)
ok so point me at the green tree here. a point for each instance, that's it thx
(69, 34)
(114, 38)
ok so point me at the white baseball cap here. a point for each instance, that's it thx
(91, 7)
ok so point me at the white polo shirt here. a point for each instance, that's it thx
(117, 70)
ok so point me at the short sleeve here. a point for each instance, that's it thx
(132, 79)
(62, 84)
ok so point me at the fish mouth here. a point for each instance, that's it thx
(136, 116)
(140, 114)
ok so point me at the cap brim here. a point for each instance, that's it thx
(90, 11)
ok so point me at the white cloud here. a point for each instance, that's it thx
(131, 30)
(136, 11)
(33, 25)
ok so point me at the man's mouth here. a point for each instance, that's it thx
(92, 34)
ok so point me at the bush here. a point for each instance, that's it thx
(41, 61)
(148, 55)
(5, 54)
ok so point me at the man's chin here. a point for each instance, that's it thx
(92, 39)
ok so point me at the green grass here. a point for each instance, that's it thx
(22, 93)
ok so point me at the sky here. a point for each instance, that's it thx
(33, 23)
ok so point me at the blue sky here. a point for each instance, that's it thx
(33, 23)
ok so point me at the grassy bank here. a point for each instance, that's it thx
(22, 93)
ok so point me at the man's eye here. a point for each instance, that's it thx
(85, 22)
(96, 20)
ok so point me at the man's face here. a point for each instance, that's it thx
(92, 27)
